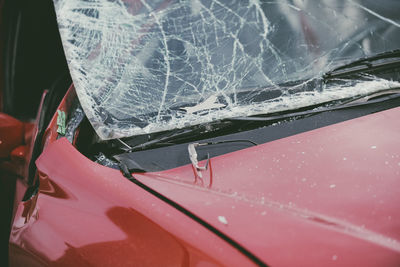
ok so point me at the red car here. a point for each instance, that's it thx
(200, 133)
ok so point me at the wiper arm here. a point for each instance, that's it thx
(155, 141)
(177, 136)
(380, 62)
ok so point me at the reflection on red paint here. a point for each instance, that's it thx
(86, 214)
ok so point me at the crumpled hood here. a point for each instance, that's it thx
(325, 197)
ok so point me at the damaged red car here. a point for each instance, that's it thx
(200, 133)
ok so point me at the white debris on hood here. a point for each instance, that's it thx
(223, 220)
(147, 66)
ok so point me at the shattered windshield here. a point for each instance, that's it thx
(142, 66)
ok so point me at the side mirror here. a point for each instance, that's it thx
(11, 135)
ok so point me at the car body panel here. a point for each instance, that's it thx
(118, 222)
(328, 196)
(314, 212)
(11, 134)
(107, 217)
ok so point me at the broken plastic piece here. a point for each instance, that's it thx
(193, 159)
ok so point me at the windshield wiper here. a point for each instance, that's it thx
(203, 131)
(377, 63)
(176, 136)
(375, 97)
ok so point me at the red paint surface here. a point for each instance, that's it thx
(328, 197)
(86, 214)
(11, 134)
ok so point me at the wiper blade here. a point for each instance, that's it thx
(379, 96)
(156, 141)
(203, 130)
(377, 63)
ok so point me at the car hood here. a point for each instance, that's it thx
(329, 196)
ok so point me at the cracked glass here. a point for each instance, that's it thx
(147, 66)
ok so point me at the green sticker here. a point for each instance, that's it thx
(61, 122)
